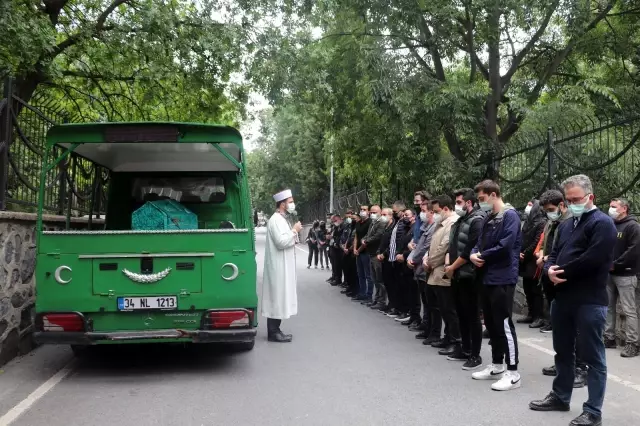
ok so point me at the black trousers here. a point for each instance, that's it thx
(466, 296)
(413, 297)
(444, 295)
(533, 293)
(273, 325)
(313, 252)
(336, 255)
(394, 291)
(435, 317)
(549, 292)
(497, 302)
(388, 277)
(350, 272)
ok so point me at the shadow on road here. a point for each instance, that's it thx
(155, 359)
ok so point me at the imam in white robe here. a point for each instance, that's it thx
(279, 297)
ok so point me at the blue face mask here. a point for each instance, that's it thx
(553, 215)
(486, 207)
(578, 209)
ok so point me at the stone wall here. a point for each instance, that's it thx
(17, 281)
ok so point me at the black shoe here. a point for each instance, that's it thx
(384, 309)
(538, 323)
(309, 267)
(458, 355)
(630, 350)
(489, 342)
(358, 298)
(422, 335)
(586, 419)
(550, 371)
(418, 326)
(279, 337)
(472, 363)
(440, 344)
(546, 329)
(430, 340)
(407, 322)
(580, 379)
(550, 403)
(345, 291)
(448, 350)
(335, 283)
(377, 307)
(525, 320)
(402, 318)
(610, 343)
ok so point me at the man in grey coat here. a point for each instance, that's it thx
(429, 319)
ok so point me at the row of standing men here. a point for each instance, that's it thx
(455, 262)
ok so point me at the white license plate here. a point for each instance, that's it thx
(150, 302)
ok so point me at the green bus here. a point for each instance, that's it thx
(174, 261)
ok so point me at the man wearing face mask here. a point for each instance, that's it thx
(336, 250)
(382, 254)
(579, 265)
(397, 234)
(419, 198)
(363, 262)
(497, 260)
(439, 294)
(531, 231)
(464, 283)
(431, 320)
(622, 277)
(279, 298)
(369, 247)
(349, 259)
(408, 305)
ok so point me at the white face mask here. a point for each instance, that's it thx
(553, 215)
(527, 210)
(437, 217)
(384, 219)
(423, 216)
(613, 212)
(348, 221)
(460, 210)
(374, 216)
(291, 207)
(363, 214)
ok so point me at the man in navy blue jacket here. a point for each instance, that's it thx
(497, 258)
(579, 266)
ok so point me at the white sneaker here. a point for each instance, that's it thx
(510, 380)
(491, 372)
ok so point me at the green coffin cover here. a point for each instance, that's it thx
(163, 215)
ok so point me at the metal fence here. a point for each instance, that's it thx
(70, 188)
(605, 150)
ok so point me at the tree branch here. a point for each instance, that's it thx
(419, 58)
(53, 8)
(506, 79)
(562, 55)
(429, 42)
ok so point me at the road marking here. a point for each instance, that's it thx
(34, 396)
(531, 343)
(301, 249)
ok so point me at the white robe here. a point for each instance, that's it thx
(279, 298)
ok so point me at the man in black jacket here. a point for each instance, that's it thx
(383, 254)
(398, 269)
(336, 250)
(465, 284)
(363, 263)
(622, 277)
(348, 258)
(531, 231)
(409, 312)
(369, 247)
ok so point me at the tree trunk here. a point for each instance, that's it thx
(493, 100)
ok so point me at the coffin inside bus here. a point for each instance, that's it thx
(110, 283)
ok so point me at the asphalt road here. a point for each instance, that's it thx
(347, 365)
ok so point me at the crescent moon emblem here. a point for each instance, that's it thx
(234, 275)
(58, 274)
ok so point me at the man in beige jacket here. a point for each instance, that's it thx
(439, 295)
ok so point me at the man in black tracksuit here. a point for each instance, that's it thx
(465, 284)
(395, 248)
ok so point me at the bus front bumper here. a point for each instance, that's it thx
(194, 336)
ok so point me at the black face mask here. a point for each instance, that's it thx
(395, 215)
(406, 221)
(417, 208)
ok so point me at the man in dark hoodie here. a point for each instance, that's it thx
(531, 231)
(622, 277)
(579, 265)
(497, 259)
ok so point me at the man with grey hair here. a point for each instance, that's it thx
(578, 266)
(623, 278)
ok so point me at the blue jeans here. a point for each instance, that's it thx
(364, 275)
(588, 321)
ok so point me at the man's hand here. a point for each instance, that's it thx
(412, 246)
(297, 227)
(399, 258)
(380, 257)
(410, 264)
(425, 262)
(357, 252)
(521, 257)
(477, 260)
(448, 270)
(554, 271)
